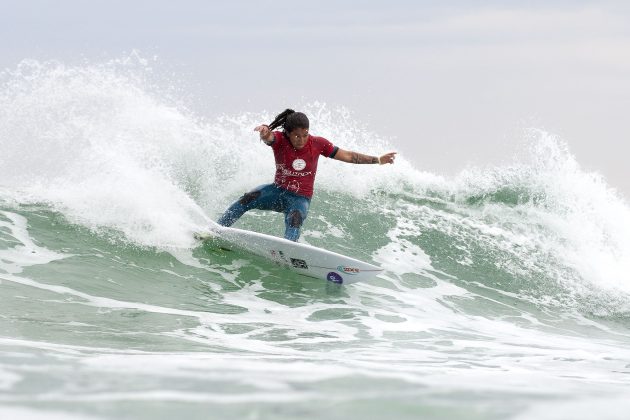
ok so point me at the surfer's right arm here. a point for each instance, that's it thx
(266, 135)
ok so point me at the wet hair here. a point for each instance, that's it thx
(289, 120)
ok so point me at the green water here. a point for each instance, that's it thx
(110, 329)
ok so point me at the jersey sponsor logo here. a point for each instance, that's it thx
(348, 270)
(298, 164)
(286, 172)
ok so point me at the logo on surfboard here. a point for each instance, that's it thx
(334, 277)
(353, 271)
(278, 257)
(298, 263)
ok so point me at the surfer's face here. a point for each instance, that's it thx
(298, 137)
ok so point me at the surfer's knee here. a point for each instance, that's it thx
(247, 198)
(295, 219)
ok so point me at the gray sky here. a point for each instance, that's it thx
(453, 81)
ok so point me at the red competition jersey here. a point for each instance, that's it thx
(296, 169)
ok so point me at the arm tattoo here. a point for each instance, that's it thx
(359, 158)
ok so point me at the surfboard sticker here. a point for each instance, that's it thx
(334, 277)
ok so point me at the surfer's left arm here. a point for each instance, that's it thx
(354, 157)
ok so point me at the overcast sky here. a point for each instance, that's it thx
(453, 82)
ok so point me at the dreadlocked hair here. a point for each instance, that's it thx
(289, 120)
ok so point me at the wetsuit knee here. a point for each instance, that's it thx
(247, 198)
(295, 219)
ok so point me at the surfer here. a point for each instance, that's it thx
(296, 152)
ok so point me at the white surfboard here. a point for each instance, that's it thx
(303, 259)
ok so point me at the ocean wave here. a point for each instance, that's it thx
(100, 145)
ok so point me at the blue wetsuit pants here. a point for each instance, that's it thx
(271, 197)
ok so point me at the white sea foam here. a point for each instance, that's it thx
(566, 219)
(26, 252)
(100, 145)
(23, 413)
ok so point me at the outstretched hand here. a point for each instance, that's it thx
(387, 158)
(263, 130)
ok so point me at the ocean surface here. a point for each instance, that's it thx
(506, 291)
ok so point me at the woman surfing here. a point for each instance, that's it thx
(296, 153)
